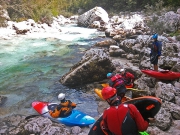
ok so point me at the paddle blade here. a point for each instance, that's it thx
(105, 84)
(31, 116)
(135, 89)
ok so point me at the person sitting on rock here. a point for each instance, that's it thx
(116, 81)
(127, 76)
(64, 109)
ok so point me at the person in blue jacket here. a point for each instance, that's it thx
(156, 49)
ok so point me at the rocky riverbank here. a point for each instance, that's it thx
(127, 45)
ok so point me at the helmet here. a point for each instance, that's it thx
(122, 70)
(155, 36)
(61, 96)
(109, 75)
(108, 92)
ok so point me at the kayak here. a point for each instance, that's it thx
(98, 91)
(162, 75)
(148, 106)
(76, 118)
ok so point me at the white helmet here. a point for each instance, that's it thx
(61, 96)
(122, 70)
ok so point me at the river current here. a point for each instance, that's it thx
(31, 66)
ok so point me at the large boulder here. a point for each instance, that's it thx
(95, 14)
(94, 66)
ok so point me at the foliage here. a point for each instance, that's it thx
(177, 33)
(37, 9)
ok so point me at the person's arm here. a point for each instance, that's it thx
(142, 124)
(73, 104)
(56, 112)
(159, 46)
(104, 123)
(130, 76)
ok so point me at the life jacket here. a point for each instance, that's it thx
(117, 80)
(157, 47)
(126, 78)
(120, 120)
(64, 109)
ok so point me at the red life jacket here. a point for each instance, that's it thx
(117, 80)
(119, 120)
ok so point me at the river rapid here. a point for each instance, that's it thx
(31, 66)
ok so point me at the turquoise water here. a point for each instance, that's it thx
(30, 69)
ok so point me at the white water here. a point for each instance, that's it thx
(31, 66)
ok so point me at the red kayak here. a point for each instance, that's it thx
(162, 75)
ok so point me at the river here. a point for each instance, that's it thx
(31, 66)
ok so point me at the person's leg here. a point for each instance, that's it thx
(155, 67)
(156, 64)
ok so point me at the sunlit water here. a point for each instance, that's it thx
(30, 69)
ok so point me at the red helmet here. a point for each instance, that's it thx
(108, 92)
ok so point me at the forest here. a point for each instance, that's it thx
(38, 10)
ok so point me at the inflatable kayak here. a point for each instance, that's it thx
(77, 118)
(162, 75)
(148, 106)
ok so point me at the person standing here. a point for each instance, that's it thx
(121, 119)
(64, 109)
(156, 49)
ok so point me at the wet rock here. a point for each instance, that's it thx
(2, 100)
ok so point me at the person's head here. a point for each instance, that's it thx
(122, 71)
(61, 96)
(109, 94)
(155, 36)
(109, 75)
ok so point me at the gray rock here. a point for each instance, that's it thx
(2, 100)
(94, 66)
(95, 14)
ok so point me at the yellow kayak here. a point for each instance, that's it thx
(98, 92)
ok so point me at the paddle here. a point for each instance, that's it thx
(135, 89)
(106, 84)
(32, 116)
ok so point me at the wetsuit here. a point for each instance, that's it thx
(123, 119)
(64, 109)
(117, 82)
(128, 78)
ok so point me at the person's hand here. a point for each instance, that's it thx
(151, 120)
(50, 112)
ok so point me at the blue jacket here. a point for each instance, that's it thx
(156, 48)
